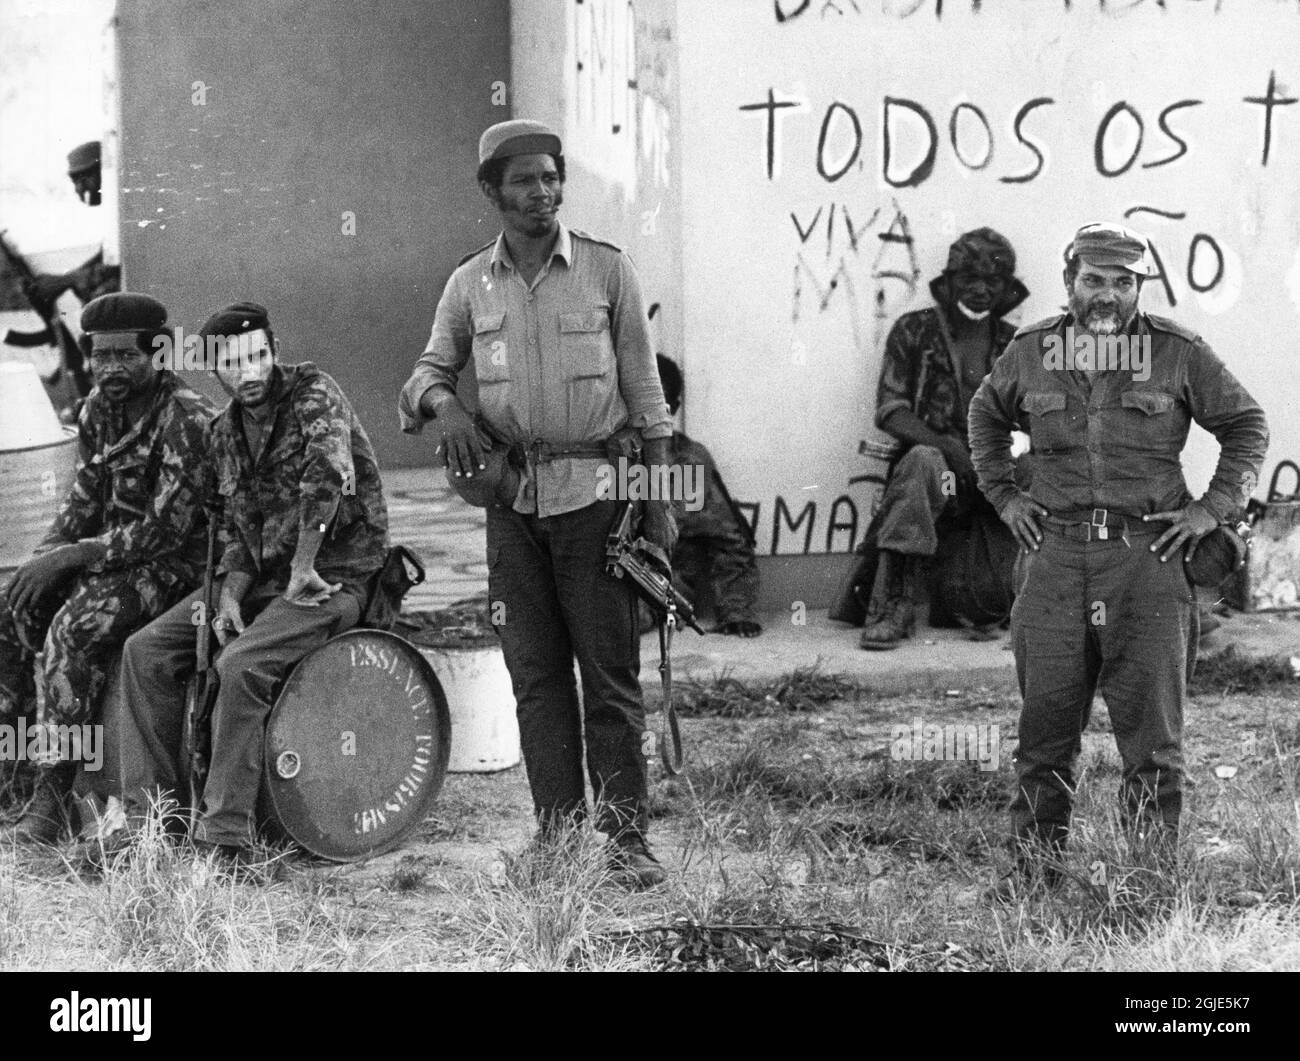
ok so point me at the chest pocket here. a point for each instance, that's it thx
(1152, 415)
(491, 353)
(1046, 420)
(585, 343)
(132, 489)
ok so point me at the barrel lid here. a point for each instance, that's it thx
(466, 624)
(27, 417)
(357, 745)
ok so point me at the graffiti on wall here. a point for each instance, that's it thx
(622, 69)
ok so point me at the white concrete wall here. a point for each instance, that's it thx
(787, 282)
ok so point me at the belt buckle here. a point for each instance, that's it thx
(1103, 532)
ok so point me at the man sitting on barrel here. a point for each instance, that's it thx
(127, 544)
(306, 532)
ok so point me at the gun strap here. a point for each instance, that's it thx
(670, 735)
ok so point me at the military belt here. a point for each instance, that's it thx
(1100, 524)
(539, 452)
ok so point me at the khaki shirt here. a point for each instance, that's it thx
(1116, 443)
(565, 361)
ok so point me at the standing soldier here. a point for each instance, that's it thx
(126, 545)
(554, 323)
(1105, 530)
(306, 531)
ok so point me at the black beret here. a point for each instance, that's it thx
(123, 311)
(235, 319)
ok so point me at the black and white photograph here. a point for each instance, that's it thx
(651, 486)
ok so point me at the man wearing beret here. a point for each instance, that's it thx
(127, 543)
(306, 532)
(1107, 394)
(554, 324)
(934, 359)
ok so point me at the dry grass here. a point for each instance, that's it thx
(792, 841)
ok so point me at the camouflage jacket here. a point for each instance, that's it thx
(918, 373)
(720, 533)
(139, 487)
(314, 452)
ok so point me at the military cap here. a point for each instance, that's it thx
(1218, 555)
(235, 319)
(123, 311)
(1108, 244)
(982, 250)
(497, 484)
(83, 156)
(519, 137)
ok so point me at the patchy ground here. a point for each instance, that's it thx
(794, 841)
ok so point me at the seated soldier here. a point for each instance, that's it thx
(128, 542)
(716, 546)
(306, 532)
(934, 361)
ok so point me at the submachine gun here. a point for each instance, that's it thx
(650, 571)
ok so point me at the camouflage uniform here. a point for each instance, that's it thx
(314, 452)
(715, 546)
(138, 492)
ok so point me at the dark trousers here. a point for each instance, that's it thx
(158, 661)
(1102, 615)
(548, 586)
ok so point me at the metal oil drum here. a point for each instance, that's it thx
(33, 483)
(356, 746)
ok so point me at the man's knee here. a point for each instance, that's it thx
(921, 461)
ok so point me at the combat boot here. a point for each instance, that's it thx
(900, 584)
(47, 813)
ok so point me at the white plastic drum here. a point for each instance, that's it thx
(484, 730)
(465, 654)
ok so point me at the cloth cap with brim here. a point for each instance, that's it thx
(497, 484)
(1218, 555)
(988, 253)
(235, 319)
(1105, 244)
(123, 311)
(519, 137)
(83, 156)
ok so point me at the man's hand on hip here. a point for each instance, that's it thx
(1022, 514)
(1188, 526)
(463, 446)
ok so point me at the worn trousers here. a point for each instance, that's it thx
(1109, 616)
(552, 601)
(159, 660)
(80, 634)
(912, 502)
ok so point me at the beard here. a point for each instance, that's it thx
(1110, 318)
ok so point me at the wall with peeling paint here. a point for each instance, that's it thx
(314, 156)
(799, 245)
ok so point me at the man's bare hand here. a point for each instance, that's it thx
(42, 575)
(464, 446)
(228, 623)
(308, 590)
(1187, 526)
(659, 527)
(1022, 515)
